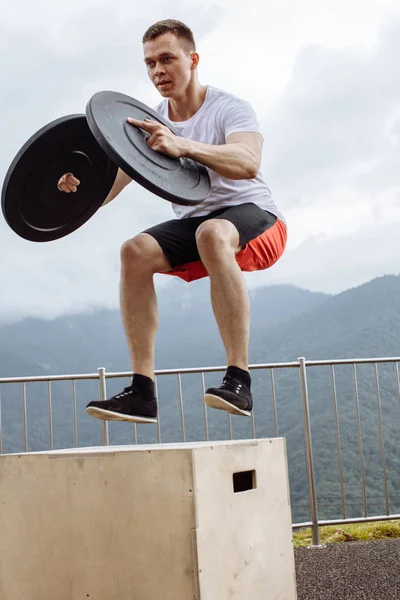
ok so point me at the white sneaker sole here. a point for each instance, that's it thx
(220, 404)
(109, 415)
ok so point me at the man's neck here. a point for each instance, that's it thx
(187, 105)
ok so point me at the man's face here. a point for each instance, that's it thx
(169, 64)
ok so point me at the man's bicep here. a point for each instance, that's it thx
(120, 182)
(253, 140)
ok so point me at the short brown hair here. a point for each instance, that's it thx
(182, 32)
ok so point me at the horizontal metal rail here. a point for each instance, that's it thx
(214, 369)
(322, 523)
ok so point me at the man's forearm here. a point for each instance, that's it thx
(121, 181)
(233, 161)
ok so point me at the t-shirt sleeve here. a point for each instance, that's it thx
(239, 116)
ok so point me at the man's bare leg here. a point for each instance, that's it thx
(218, 243)
(141, 258)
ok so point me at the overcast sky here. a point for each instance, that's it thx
(323, 78)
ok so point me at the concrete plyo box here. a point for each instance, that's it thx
(206, 521)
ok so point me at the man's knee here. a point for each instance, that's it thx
(143, 253)
(133, 250)
(217, 234)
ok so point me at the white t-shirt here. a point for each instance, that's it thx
(220, 115)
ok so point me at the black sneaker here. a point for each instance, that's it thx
(233, 396)
(130, 406)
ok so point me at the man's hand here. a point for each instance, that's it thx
(68, 183)
(161, 138)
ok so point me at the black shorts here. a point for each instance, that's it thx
(177, 237)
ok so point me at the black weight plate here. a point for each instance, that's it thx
(179, 180)
(31, 202)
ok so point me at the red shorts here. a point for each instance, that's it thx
(262, 237)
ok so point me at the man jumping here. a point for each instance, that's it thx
(236, 228)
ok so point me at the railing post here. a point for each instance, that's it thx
(103, 396)
(316, 541)
(1, 430)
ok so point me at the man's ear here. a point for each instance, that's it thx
(195, 60)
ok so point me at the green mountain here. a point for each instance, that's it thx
(287, 322)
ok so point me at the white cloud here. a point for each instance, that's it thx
(322, 77)
(335, 126)
(332, 156)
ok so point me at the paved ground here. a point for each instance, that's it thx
(349, 571)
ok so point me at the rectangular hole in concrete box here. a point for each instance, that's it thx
(244, 481)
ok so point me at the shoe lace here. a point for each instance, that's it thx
(126, 392)
(231, 385)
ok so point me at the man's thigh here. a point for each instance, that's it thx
(261, 236)
(177, 237)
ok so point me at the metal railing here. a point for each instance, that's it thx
(305, 370)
